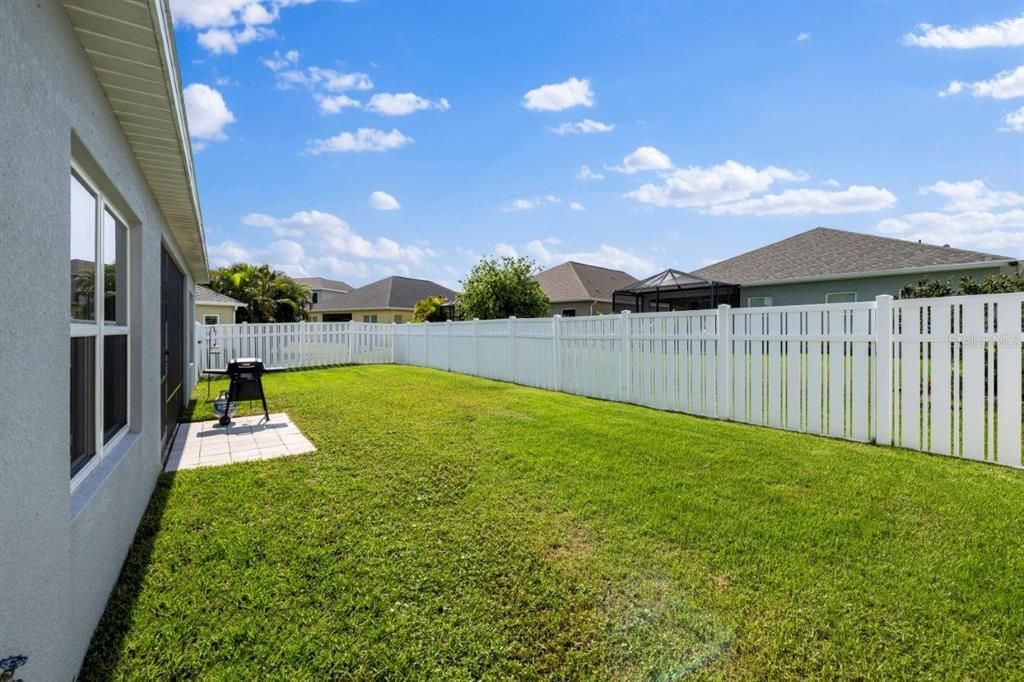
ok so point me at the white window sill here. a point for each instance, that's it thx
(93, 481)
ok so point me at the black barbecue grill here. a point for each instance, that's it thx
(246, 376)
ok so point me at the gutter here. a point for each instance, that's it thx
(883, 273)
(165, 38)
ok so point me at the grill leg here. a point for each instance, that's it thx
(263, 398)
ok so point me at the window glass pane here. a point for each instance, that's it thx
(211, 319)
(115, 384)
(83, 401)
(841, 297)
(115, 256)
(83, 252)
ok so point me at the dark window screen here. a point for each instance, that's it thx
(83, 401)
(115, 384)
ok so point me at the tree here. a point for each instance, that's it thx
(1002, 283)
(496, 289)
(429, 309)
(269, 295)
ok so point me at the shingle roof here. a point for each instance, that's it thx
(324, 284)
(390, 292)
(825, 251)
(207, 296)
(572, 281)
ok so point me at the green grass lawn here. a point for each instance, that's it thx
(456, 528)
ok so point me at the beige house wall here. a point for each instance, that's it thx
(582, 308)
(384, 315)
(226, 312)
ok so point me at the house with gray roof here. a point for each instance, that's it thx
(321, 286)
(581, 289)
(826, 265)
(215, 308)
(391, 299)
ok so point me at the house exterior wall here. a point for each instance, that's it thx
(61, 550)
(226, 312)
(582, 308)
(801, 293)
(384, 315)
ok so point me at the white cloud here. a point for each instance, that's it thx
(831, 182)
(328, 235)
(855, 199)
(1015, 120)
(969, 229)
(363, 140)
(644, 159)
(1004, 85)
(584, 127)
(576, 206)
(972, 195)
(503, 250)
(1005, 33)
(229, 252)
(560, 96)
(803, 37)
(382, 201)
(321, 79)
(520, 205)
(605, 256)
(280, 61)
(207, 112)
(223, 25)
(334, 104)
(586, 174)
(403, 103)
(698, 187)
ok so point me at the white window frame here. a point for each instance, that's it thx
(766, 301)
(97, 329)
(841, 293)
(213, 315)
(369, 319)
(398, 319)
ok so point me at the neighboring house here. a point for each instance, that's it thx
(98, 186)
(320, 286)
(215, 308)
(391, 299)
(825, 265)
(581, 289)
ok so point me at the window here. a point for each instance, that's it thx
(211, 319)
(337, 317)
(759, 301)
(841, 297)
(398, 319)
(316, 297)
(568, 312)
(369, 318)
(99, 324)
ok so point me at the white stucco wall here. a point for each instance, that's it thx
(61, 552)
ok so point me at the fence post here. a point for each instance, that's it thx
(627, 356)
(512, 348)
(448, 345)
(556, 336)
(302, 343)
(883, 370)
(724, 341)
(426, 343)
(476, 346)
(394, 328)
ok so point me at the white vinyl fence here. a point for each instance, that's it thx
(940, 375)
(293, 344)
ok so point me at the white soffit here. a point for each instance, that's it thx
(130, 44)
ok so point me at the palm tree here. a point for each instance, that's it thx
(269, 295)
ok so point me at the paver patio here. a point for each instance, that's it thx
(203, 444)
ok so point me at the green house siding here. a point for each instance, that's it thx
(867, 288)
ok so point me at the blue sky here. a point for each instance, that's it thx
(357, 140)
